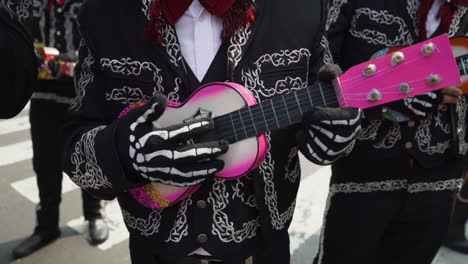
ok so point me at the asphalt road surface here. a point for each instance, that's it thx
(18, 196)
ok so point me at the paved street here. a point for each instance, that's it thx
(18, 196)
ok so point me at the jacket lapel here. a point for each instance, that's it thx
(240, 41)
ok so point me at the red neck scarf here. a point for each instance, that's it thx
(234, 13)
(446, 13)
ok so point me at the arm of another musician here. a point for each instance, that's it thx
(326, 133)
(17, 66)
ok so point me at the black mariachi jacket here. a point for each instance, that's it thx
(357, 29)
(18, 68)
(55, 25)
(118, 66)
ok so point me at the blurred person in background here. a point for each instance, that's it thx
(390, 199)
(55, 26)
(18, 69)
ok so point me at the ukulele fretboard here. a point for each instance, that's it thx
(274, 113)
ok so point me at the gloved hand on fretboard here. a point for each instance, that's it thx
(163, 154)
(328, 133)
(423, 104)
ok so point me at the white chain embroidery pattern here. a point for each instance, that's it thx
(293, 171)
(284, 58)
(334, 12)
(457, 17)
(147, 227)
(83, 78)
(87, 173)
(222, 227)
(380, 38)
(180, 228)
(389, 141)
(127, 95)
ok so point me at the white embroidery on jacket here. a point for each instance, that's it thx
(172, 46)
(238, 191)
(222, 226)
(267, 168)
(87, 174)
(327, 55)
(129, 67)
(146, 227)
(370, 131)
(457, 17)
(423, 138)
(390, 140)
(283, 58)
(292, 170)
(83, 77)
(147, 8)
(380, 38)
(334, 12)
(237, 42)
(127, 95)
(412, 9)
(180, 228)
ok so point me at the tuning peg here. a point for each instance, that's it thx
(370, 70)
(374, 95)
(428, 49)
(405, 88)
(397, 58)
(433, 80)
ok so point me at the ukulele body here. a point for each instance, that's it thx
(213, 100)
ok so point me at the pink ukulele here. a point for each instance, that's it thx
(241, 120)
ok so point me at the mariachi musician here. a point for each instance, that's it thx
(135, 51)
(55, 28)
(390, 199)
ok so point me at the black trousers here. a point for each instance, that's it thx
(384, 227)
(46, 117)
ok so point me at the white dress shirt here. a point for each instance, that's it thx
(433, 19)
(199, 34)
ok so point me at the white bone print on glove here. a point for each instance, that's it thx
(163, 154)
(423, 104)
(329, 133)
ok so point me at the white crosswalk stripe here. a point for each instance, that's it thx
(14, 125)
(16, 152)
(28, 187)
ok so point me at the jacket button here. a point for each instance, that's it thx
(408, 145)
(202, 238)
(411, 124)
(201, 204)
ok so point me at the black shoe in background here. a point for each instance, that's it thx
(33, 243)
(98, 231)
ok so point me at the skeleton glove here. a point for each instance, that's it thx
(328, 133)
(164, 154)
(423, 104)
